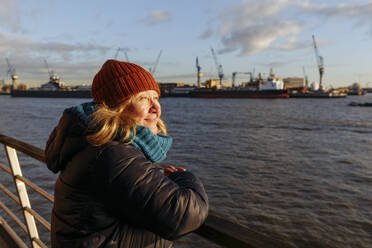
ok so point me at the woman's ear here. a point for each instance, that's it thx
(128, 108)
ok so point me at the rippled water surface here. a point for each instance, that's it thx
(297, 169)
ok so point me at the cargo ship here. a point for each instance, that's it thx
(71, 93)
(53, 89)
(238, 93)
(272, 88)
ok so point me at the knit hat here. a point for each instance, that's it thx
(117, 81)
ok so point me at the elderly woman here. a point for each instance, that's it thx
(111, 191)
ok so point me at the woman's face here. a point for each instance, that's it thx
(145, 109)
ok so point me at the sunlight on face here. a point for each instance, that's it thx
(146, 110)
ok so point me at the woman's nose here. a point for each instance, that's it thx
(155, 106)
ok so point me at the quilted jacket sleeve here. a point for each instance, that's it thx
(139, 193)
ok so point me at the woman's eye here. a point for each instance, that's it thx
(148, 98)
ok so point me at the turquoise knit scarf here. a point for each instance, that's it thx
(155, 147)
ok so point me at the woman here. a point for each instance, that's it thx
(110, 191)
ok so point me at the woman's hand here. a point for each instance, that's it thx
(170, 169)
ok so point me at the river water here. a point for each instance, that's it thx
(297, 169)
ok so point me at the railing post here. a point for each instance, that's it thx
(22, 194)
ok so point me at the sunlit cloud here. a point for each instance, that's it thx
(156, 16)
(257, 38)
(255, 26)
(292, 43)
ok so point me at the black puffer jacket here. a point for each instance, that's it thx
(113, 196)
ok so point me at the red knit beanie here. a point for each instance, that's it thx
(117, 81)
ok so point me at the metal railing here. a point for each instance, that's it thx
(218, 230)
(11, 146)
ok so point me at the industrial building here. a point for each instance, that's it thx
(293, 82)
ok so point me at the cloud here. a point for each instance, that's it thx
(255, 26)
(27, 56)
(292, 43)
(357, 10)
(259, 37)
(249, 13)
(20, 45)
(73, 62)
(277, 64)
(207, 33)
(156, 16)
(10, 15)
(359, 14)
(35, 12)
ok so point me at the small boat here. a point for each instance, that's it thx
(358, 104)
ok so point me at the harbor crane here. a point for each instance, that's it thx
(125, 53)
(319, 60)
(198, 73)
(218, 66)
(153, 69)
(237, 72)
(50, 72)
(52, 75)
(11, 72)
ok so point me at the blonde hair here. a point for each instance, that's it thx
(110, 121)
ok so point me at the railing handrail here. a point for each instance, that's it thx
(30, 150)
(215, 229)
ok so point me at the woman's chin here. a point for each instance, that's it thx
(154, 130)
(152, 126)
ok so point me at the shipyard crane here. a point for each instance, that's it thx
(125, 53)
(11, 72)
(218, 66)
(52, 75)
(50, 72)
(319, 60)
(198, 73)
(153, 69)
(237, 72)
(306, 80)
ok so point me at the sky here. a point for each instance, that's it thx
(77, 37)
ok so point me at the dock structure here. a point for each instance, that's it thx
(215, 229)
